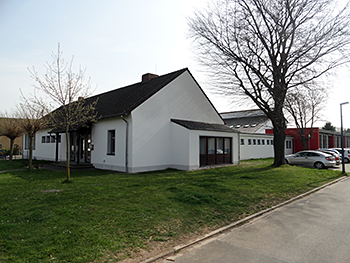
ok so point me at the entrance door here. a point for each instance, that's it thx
(80, 145)
(215, 150)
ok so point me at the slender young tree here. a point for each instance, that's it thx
(264, 49)
(305, 109)
(10, 126)
(67, 90)
(31, 116)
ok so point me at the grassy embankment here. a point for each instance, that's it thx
(108, 215)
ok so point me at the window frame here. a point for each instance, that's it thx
(111, 134)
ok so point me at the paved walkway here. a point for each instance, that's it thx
(314, 229)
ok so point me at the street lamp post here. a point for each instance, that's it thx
(342, 136)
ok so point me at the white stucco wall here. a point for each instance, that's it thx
(99, 134)
(186, 146)
(256, 151)
(152, 129)
(260, 151)
(195, 135)
(47, 151)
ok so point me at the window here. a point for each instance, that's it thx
(219, 145)
(268, 142)
(42, 139)
(227, 145)
(271, 142)
(263, 142)
(242, 141)
(211, 145)
(52, 138)
(289, 144)
(111, 142)
(259, 142)
(48, 139)
(214, 150)
(249, 141)
(254, 142)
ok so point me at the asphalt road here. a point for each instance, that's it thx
(315, 228)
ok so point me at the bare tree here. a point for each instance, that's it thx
(31, 116)
(10, 127)
(305, 107)
(264, 49)
(68, 92)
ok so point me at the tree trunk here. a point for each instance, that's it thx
(67, 154)
(278, 146)
(30, 161)
(11, 151)
(279, 138)
(304, 142)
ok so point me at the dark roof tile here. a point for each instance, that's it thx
(194, 125)
(124, 100)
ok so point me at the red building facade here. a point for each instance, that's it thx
(319, 139)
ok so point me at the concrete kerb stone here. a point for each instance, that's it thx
(225, 228)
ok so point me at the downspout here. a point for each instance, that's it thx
(239, 147)
(126, 144)
(56, 147)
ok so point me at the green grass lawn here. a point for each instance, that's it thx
(104, 214)
(16, 164)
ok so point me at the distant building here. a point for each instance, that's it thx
(247, 121)
(5, 143)
(319, 139)
(254, 141)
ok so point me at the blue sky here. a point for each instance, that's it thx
(116, 41)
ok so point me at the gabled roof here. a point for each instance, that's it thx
(122, 101)
(202, 126)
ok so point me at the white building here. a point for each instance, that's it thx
(162, 122)
(254, 142)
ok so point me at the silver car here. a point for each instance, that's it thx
(316, 159)
(346, 154)
(335, 153)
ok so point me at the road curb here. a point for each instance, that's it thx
(225, 228)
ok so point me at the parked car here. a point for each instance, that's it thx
(335, 153)
(346, 154)
(316, 159)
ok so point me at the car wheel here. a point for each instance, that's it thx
(346, 160)
(319, 165)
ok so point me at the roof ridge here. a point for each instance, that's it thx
(137, 83)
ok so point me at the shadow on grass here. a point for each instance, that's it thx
(45, 174)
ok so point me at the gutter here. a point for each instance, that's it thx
(126, 144)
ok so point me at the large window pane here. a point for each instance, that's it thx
(203, 145)
(227, 146)
(220, 145)
(211, 145)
